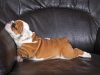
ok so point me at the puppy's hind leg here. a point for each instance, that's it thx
(68, 52)
(84, 54)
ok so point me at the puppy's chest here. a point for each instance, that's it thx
(23, 39)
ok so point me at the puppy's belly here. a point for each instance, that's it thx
(41, 59)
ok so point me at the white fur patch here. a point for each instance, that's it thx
(19, 59)
(56, 57)
(86, 55)
(37, 59)
(47, 38)
(34, 41)
(41, 59)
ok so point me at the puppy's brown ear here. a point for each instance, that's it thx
(18, 29)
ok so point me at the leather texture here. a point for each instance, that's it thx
(7, 52)
(59, 22)
(78, 20)
(78, 66)
(97, 43)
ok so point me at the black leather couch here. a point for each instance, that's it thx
(79, 20)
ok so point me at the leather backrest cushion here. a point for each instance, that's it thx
(12, 9)
(7, 50)
(97, 43)
(77, 25)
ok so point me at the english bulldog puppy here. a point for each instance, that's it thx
(33, 47)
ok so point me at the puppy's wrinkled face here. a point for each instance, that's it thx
(17, 27)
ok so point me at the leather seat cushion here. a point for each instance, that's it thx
(77, 66)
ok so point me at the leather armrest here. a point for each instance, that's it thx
(2, 69)
(7, 52)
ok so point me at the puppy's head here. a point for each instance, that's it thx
(17, 26)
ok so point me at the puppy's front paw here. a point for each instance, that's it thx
(19, 59)
(86, 55)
